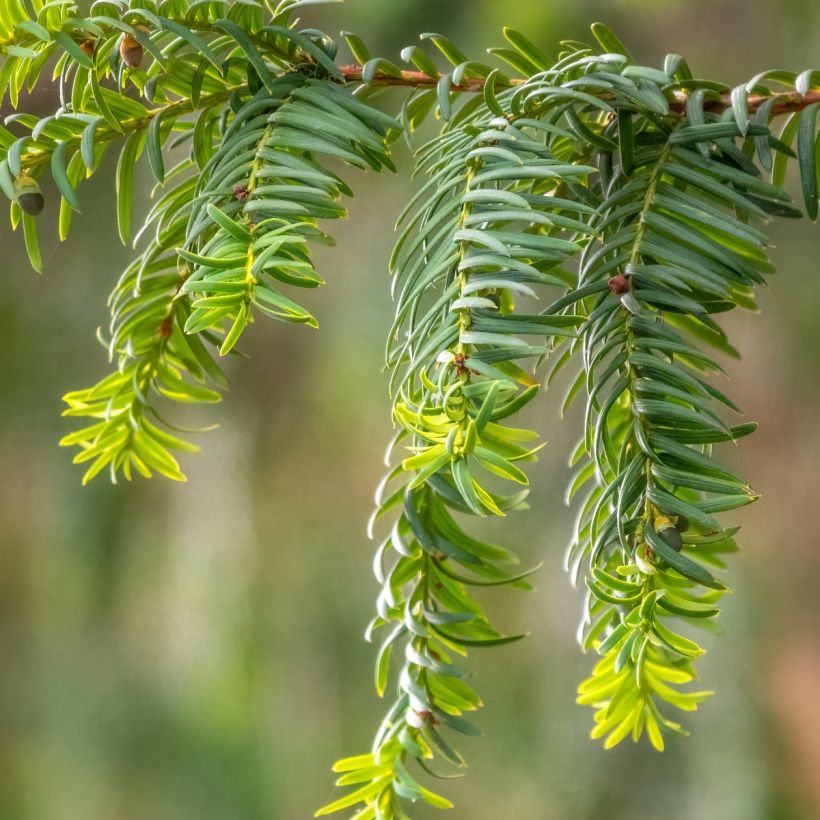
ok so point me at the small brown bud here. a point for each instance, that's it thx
(619, 284)
(131, 51)
(458, 362)
(427, 716)
(240, 192)
(87, 47)
(29, 196)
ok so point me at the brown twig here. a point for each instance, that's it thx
(788, 102)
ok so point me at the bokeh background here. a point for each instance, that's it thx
(171, 652)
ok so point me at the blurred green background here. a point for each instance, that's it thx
(175, 652)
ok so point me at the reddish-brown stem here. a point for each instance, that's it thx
(793, 101)
(787, 102)
(413, 79)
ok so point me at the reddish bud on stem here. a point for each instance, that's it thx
(619, 284)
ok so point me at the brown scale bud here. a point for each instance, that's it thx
(459, 364)
(619, 284)
(240, 192)
(29, 196)
(131, 51)
(427, 716)
(87, 47)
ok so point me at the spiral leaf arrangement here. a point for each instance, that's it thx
(632, 200)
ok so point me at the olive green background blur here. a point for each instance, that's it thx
(171, 652)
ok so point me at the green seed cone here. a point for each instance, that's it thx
(29, 196)
(672, 537)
